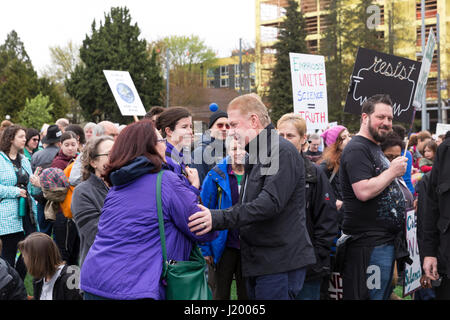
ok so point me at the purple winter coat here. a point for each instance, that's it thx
(125, 261)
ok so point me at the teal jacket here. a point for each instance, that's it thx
(216, 194)
(10, 222)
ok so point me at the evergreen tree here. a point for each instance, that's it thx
(346, 31)
(292, 35)
(18, 80)
(113, 46)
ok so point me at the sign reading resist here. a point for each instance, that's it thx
(376, 72)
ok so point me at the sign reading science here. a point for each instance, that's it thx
(125, 93)
(309, 89)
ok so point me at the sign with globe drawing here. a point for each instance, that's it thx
(125, 93)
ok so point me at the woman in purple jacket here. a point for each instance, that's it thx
(125, 261)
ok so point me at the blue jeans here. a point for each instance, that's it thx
(310, 290)
(277, 286)
(379, 272)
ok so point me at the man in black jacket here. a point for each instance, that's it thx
(435, 246)
(270, 215)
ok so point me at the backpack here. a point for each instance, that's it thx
(65, 205)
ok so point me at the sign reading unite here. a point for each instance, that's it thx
(376, 72)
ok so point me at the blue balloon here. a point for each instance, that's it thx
(213, 107)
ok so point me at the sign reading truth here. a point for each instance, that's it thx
(309, 89)
(376, 72)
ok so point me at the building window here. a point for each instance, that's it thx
(224, 83)
(211, 84)
(210, 73)
(223, 70)
(236, 70)
(237, 82)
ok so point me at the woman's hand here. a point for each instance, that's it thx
(193, 177)
(35, 181)
(339, 204)
(23, 193)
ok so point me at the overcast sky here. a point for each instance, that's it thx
(44, 23)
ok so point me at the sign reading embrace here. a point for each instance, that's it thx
(309, 89)
(376, 72)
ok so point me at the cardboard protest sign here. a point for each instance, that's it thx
(376, 72)
(425, 69)
(125, 93)
(413, 272)
(309, 89)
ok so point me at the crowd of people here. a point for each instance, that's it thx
(276, 209)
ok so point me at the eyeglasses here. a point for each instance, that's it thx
(35, 139)
(101, 154)
(221, 125)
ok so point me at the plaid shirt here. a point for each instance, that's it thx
(10, 222)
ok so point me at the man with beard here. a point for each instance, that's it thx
(374, 207)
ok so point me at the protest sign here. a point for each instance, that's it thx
(413, 272)
(125, 93)
(376, 72)
(425, 69)
(335, 287)
(442, 128)
(309, 89)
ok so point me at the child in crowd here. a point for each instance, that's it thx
(52, 278)
(426, 162)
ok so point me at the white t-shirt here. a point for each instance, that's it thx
(47, 287)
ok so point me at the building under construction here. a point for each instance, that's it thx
(270, 13)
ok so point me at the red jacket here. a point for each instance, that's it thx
(61, 161)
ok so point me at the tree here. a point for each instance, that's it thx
(36, 112)
(347, 30)
(189, 58)
(64, 59)
(18, 80)
(115, 45)
(292, 35)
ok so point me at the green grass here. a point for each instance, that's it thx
(29, 284)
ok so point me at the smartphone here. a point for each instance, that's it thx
(436, 283)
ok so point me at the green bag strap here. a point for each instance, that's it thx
(161, 222)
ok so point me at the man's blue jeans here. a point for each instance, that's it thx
(379, 272)
(310, 290)
(277, 286)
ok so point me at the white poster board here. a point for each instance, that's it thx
(442, 128)
(125, 93)
(413, 272)
(309, 89)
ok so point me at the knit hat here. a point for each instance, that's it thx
(216, 115)
(330, 135)
(52, 178)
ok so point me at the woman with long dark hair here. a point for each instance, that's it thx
(125, 261)
(18, 215)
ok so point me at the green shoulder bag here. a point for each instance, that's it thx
(184, 280)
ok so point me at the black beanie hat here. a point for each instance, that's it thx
(216, 115)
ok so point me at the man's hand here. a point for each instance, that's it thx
(398, 166)
(339, 204)
(209, 260)
(200, 220)
(430, 268)
(425, 282)
(193, 177)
